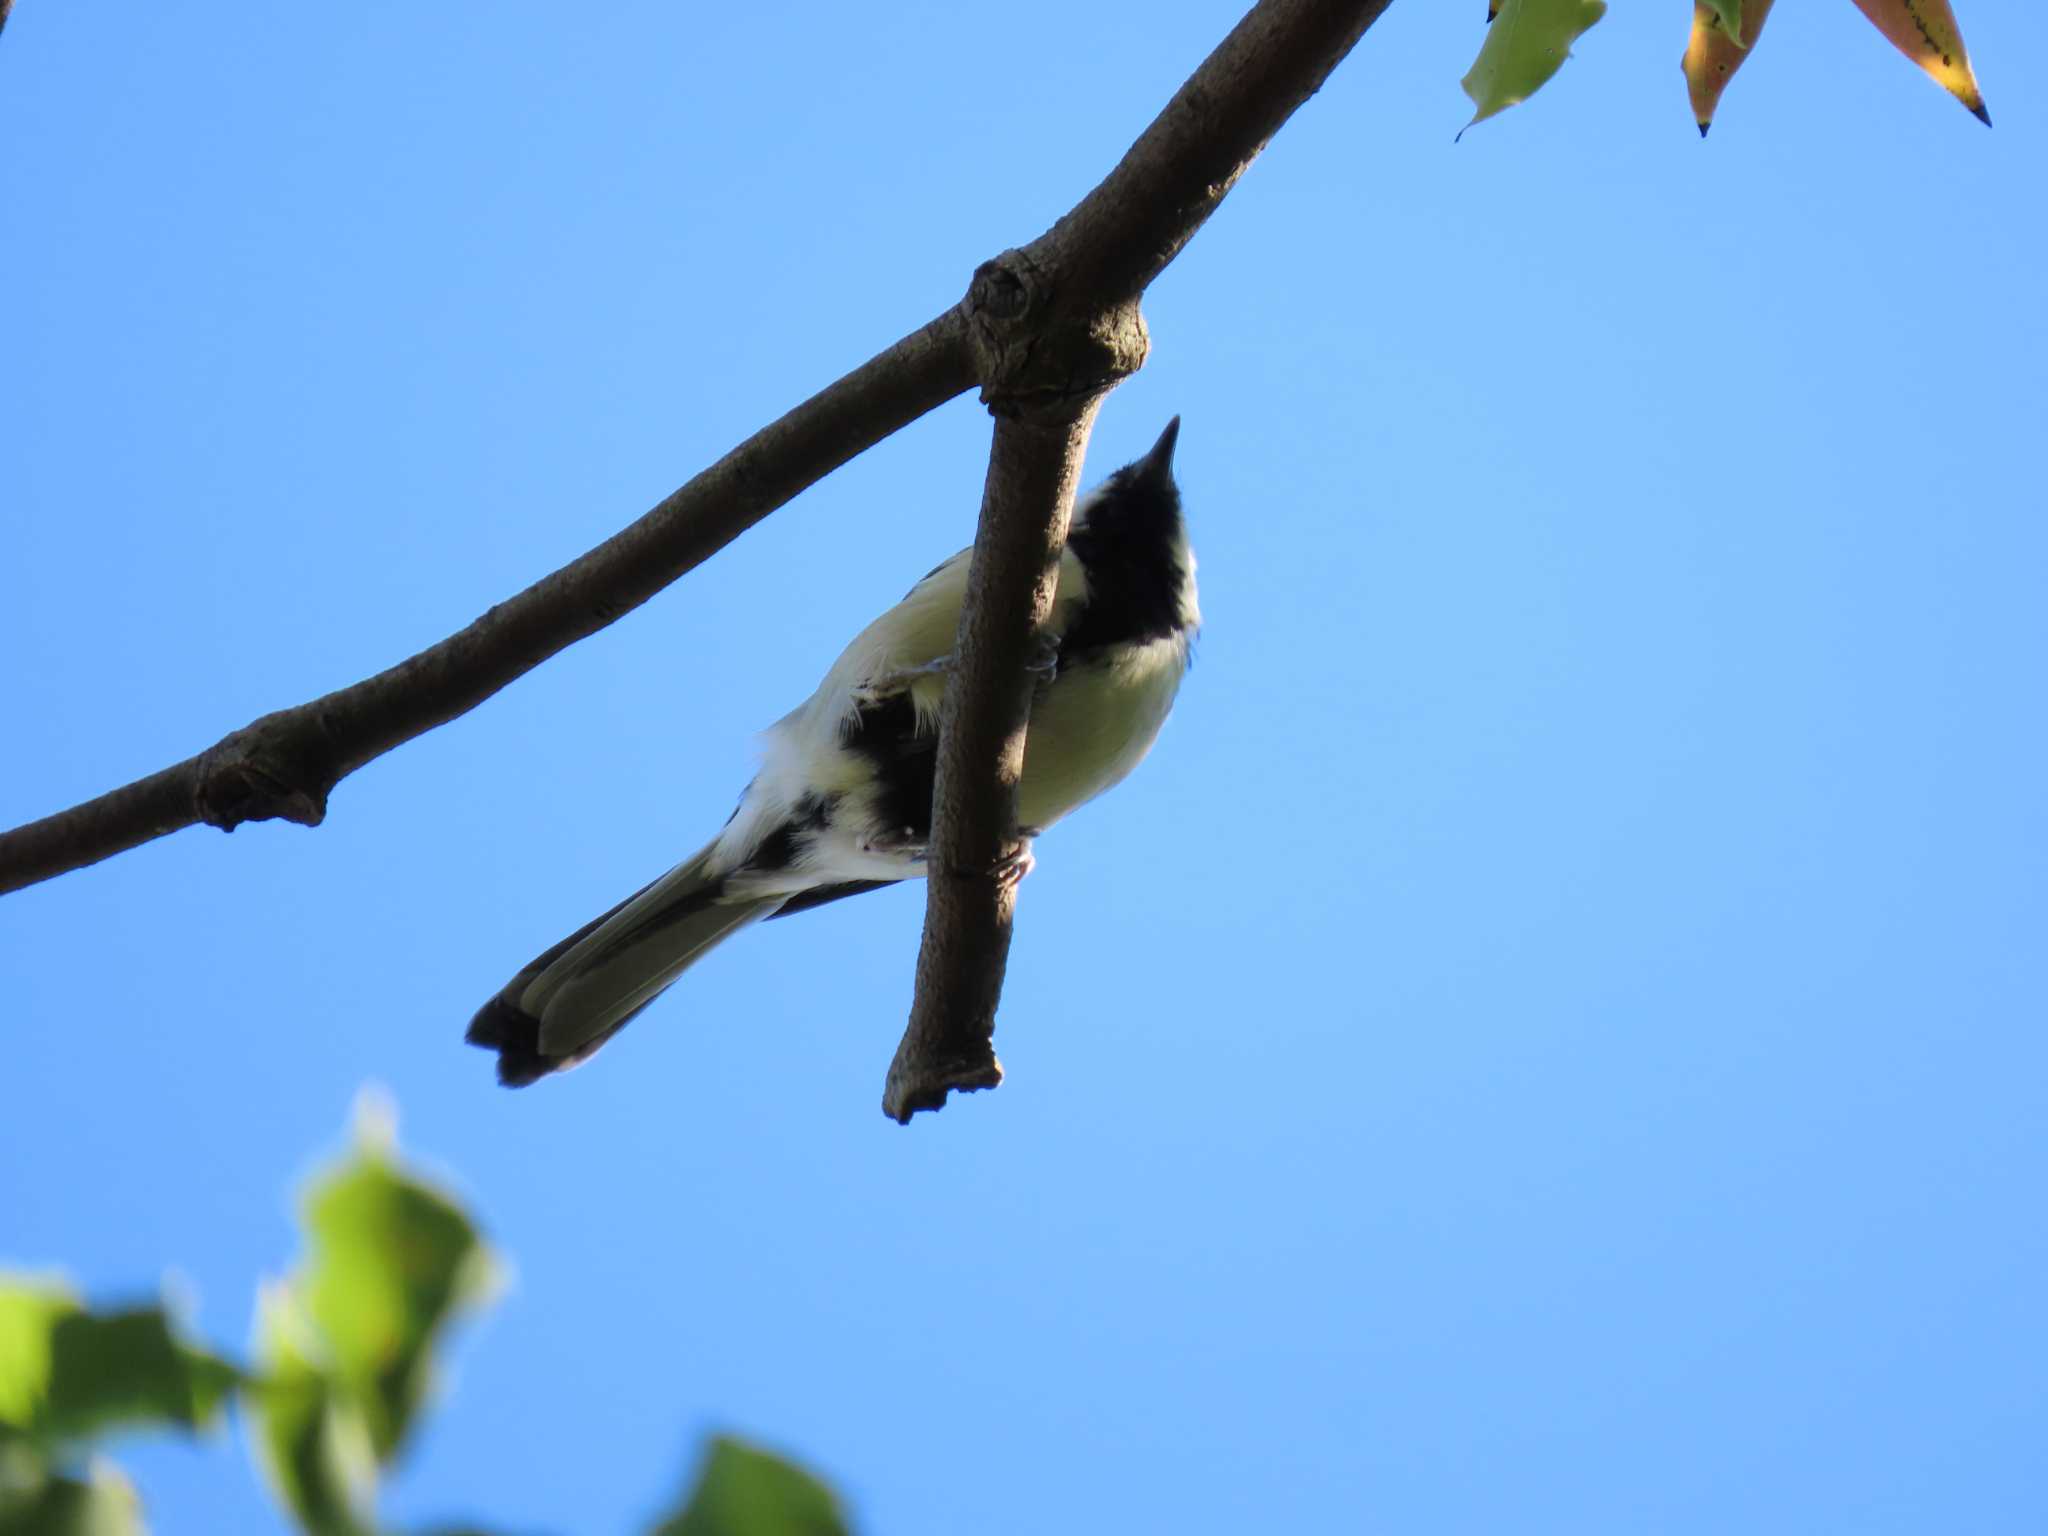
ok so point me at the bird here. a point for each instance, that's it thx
(842, 803)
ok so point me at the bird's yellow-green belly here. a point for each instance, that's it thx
(1092, 727)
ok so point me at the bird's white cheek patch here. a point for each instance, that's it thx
(1156, 662)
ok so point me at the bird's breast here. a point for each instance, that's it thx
(1095, 723)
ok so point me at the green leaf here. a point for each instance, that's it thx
(309, 1438)
(392, 1261)
(35, 1502)
(1523, 48)
(744, 1491)
(66, 1373)
(1730, 12)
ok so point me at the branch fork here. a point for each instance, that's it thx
(1046, 331)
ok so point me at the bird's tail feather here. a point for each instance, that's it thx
(572, 998)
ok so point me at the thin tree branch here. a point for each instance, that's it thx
(1057, 326)
(285, 764)
(1047, 330)
(1034, 470)
(1122, 235)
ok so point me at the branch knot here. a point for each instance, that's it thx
(1040, 349)
(269, 770)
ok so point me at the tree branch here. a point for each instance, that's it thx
(1056, 326)
(1034, 470)
(285, 764)
(1047, 330)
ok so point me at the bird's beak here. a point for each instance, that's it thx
(1158, 464)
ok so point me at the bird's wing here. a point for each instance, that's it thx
(819, 895)
(907, 649)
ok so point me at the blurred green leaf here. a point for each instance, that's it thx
(37, 1502)
(392, 1260)
(1524, 46)
(309, 1439)
(744, 1491)
(29, 1310)
(66, 1373)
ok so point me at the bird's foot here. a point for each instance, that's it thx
(1013, 866)
(895, 843)
(1042, 656)
(889, 684)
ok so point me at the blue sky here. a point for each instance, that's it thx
(1551, 1040)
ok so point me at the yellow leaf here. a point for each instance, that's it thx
(1712, 55)
(1925, 31)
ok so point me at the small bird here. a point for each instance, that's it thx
(843, 801)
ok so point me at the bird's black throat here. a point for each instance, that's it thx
(1131, 547)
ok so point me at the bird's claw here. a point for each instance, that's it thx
(895, 843)
(889, 684)
(1042, 656)
(1013, 866)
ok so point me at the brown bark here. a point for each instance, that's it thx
(1034, 470)
(1057, 325)
(1046, 330)
(285, 764)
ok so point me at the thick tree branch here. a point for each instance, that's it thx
(285, 764)
(1034, 470)
(1057, 325)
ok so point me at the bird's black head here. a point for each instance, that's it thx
(1142, 497)
(1133, 546)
